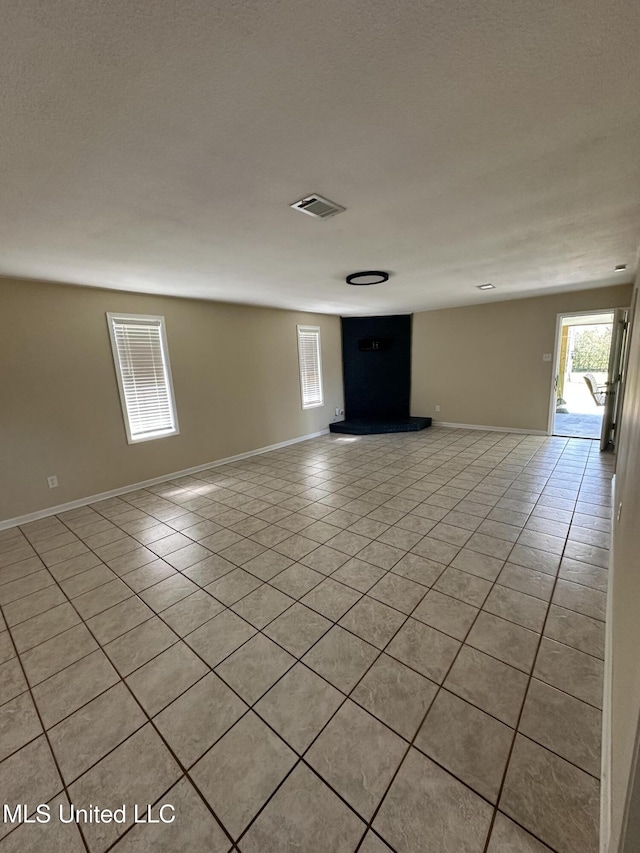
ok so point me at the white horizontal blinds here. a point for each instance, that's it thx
(144, 377)
(310, 367)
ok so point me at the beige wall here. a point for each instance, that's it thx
(624, 650)
(482, 364)
(235, 375)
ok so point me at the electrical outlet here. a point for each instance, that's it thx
(437, 408)
(52, 481)
(339, 412)
(546, 356)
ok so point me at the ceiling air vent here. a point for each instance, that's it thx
(317, 206)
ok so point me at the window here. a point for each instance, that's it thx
(141, 360)
(310, 366)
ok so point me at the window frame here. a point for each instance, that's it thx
(301, 328)
(141, 319)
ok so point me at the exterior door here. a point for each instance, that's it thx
(615, 379)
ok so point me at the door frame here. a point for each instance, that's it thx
(556, 356)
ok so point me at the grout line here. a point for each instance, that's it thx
(44, 733)
(489, 473)
(524, 701)
(158, 733)
(412, 741)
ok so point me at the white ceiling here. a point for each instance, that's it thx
(156, 146)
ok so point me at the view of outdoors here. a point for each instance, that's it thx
(582, 374)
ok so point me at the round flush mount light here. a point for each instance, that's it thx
(367, 277)
(620, 268)
(486, 286)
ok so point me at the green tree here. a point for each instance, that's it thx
(591, 349)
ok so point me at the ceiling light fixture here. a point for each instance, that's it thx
(620, 268)
(486, 286)
(367, 277)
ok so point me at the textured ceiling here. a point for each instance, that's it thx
(156, 147)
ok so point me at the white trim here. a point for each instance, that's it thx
(556, 357)
(553, 391)
(54, 510)
(489, 428)
(605, 757)
(151, 319)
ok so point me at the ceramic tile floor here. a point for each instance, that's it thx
(389, 642)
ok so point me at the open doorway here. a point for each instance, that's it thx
(583, 346)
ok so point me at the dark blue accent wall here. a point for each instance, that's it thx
(376, 357)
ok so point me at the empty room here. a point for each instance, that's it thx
(319, 426)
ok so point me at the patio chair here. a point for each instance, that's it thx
(598, 392)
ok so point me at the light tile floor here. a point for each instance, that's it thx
(390, 642)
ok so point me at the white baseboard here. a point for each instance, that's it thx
(54, 510)
(490, 428)
(605, 758)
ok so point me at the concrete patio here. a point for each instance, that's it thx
(578, 425)
(584, 419)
